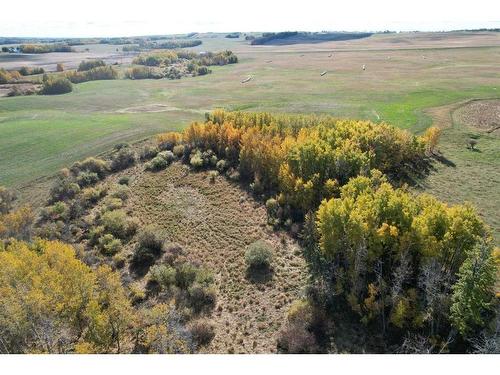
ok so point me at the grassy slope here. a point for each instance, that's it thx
(472, 176)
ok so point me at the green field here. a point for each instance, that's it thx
(405, 75)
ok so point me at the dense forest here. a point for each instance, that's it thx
(414, 274)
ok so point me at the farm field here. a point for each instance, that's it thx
(406, 75)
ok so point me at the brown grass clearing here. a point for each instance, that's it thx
(214, 223)
(480, 114)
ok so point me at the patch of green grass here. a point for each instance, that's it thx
(40, 144)
(466, 175)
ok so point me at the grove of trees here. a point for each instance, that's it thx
(403, 263)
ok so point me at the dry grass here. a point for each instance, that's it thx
(214, 223)
(481, 114)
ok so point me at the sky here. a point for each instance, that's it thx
(107, 18)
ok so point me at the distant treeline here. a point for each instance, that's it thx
(167, 58)
(292, 37)
(176, 64)
(496, 30)
(172, 44)
(45, 48)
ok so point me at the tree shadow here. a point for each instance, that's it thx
(259, 275)
(444, 160)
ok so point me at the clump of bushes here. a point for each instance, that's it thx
(90, 64)
(56, 85)
(259, 255)
(94, 74)
(167, 141)
(156, 164)
(64, 187)
(305, 328)
(120, 192)
(91, 196)
(26, 71)
(202, 332)
(191, 285)
(123, 159)
(196, 160)
(161, 161)
(148, 152)
(8, 77)
(143, 72)
(91, 165)
(45, 48)
(109, 245)
(148, 249)
(7, 198)
(87, 178)
(118, 224)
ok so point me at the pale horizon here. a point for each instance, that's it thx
(63, 19)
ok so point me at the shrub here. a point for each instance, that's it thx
(212, 175)
(121, 192)
(56, 86)
(221, 165)
(58, 211)
(115, 222)
(63, 188)
(167, 141)
(150, 239)
(25, 71)
(90, 64)
(91, 196)
(196, 160)
(178, 151)
(172, 253)
(7, 198)
(258, 255)
(93, 165)
(95, 234)
(9, 76)
(167, 155)
(201, 298)
(163, 275)
(296, 339)
(202, 70)
(94, 74)
(109, 245)
(87, 178)
(149, 247)
(156, 164)
(186, 275)
(148, 152)
(202, 332)
(143, 72)
(123, 159)
(112, 203)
